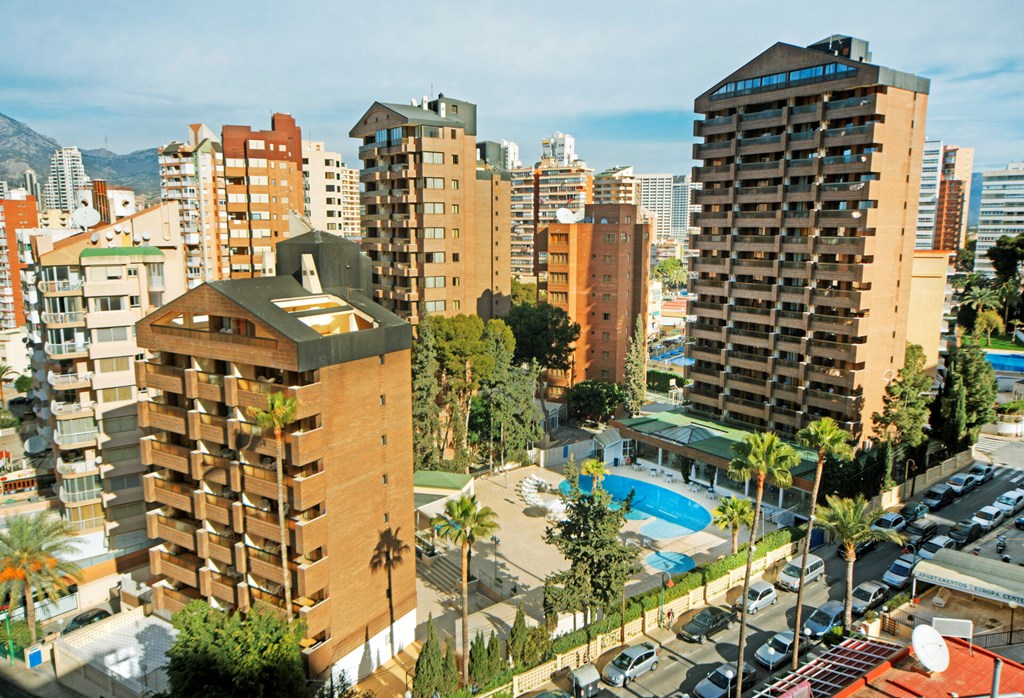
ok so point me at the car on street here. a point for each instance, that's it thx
(87, 618)
(962, 483)
(789, 578)
(889, 522)
(989, 517)
(1010, 502)
(912, 511)
(938, 496)
(778, 649)
(983, 471)
(827, 616)
(1019, 523)
(919, 533)
(707, 622)
(928, 550)
(556, 693)
(721, 682)
(898, 574)
(859, 550)
(965, 532)
(868, 595)
(20, 406)
(631, 663)
(761, 594)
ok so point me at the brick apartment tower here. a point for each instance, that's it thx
(313, 333)
(810, 174)
(15, 214)
(597, 271)
(436, 226)
(262, 183)
(954, 197)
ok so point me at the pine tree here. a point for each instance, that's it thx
(479, 671)
(430, 667)
(636, 369)
(513, 421)
(979, 380)
(518, 638)
(426, 413)
(495, 664)
(449, 673)
(906, 401)
(954, 413)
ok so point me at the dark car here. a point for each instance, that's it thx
(860, 550)
(919, 533)
(912, 512)
(967, 531)
(20, 406)
(826, 617)
(1019, 523)
(87, 618)
(938, 496)
(721, 683)
(706, 623)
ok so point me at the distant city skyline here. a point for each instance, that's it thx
(627, 106)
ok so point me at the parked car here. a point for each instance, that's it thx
(1010, 502)
(87, 618)
(912, 512)
(1019, 523)
(868, 595)
(827, 616)
(983, 471)
(919, 533)
(965, 532)
(989, 517)
(555, 693)
(706, 623)
(898, 574)
(859, 550)
(777, 650)
(20, 406)
(890, 522)
(761, 594)
(962, 483)
(938, 496)
(721, 682)
(936, 544)
(790, 576)
(631, 663)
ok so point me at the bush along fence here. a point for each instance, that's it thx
(690, 590)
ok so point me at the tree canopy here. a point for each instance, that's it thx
(544, 334)
(977, 389)
(1006, 256)
(593, 400)
(986, 323)
(636, 369)
(671, 272)
(906, 401)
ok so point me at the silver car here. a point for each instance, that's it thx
(761, 594)
(631, 663)
(777, 650)
(721, 683)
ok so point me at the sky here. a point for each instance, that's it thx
(619, 76)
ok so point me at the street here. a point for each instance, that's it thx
(682, 665)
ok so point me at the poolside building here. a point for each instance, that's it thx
(312, 332)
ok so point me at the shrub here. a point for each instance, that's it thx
(659, 380)
(8, 420)
(899, 599)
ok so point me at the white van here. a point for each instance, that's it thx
(790, 577)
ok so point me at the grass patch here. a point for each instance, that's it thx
(1003, 343)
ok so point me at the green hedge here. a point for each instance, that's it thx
(899, 599)
(658, 380)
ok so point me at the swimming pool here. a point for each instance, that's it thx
(1006, 362)
(675, 514)
(673, 563)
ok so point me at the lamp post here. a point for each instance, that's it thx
(1013, 610)
(7, 624)
(729, 676)
(906, 476)
(666, 581)
(496, 541)
(771, 664)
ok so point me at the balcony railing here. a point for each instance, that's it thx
(75, 438)
(64, 318)
(77, 467)
(60, 286)
(77, 497)
(66, 348)
(69, 408)
(60, 380)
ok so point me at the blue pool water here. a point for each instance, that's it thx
(674, 515)
(673, 563)
(1006, 362)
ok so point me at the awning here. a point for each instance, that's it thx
(973, 574)
(608, 438)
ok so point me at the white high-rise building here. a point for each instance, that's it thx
(511, 151)
(331, 190)
(680, 207)
(561, 148)
(67, 176)
(927, 202)
(33, 188)
(656, 198)
(1002, 211)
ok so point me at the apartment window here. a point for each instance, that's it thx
(434, 306)
(559, 258)
(133, 271)
(455, 159)
(455, 232)
(455, 256)
(605, 375)
(606, 278)
(559, 297)
(428, 132)
(118, 394)
(609, 238)
(117, 425)
(257, 145)
(454, 134)
(455, 208)
(434, 207)
(384, 479)
(607, 259)
(605, 355)
(383, 400)
(395, 134)
(433, 282)
(457, 305)
(102, 304)
(124, 482)
(455, 184)
(383, 439)
(135, 301)
(606, 316)
(156, 298)
(624, 237)
(606, 336)
(456, 281)
(433, 233)
(385, 518)
(431, 158)
(114, 364)
(110, 334)
(433, 257)
(380, 359)
(433, 183)
(382, 136)
(606, 297)
(559, 277)
(121, 454)
(106, 273)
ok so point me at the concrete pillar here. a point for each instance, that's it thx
(660, 451)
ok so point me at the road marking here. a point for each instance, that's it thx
(1017, 479)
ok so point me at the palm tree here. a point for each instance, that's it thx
(732, 513)
(280, 413)
(595, 469)
(463, 523)
(31, 548)
(982, 298)
(1010, 296)
(7, 374)
(387, 555)
(850, 521)
(765, 458)
(828, 439)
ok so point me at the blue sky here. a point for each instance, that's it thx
(620, 76)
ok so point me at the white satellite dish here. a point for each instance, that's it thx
(35, 445)
(85, 217)
(110, 235)
(930, 648)
(564, 215)
(94, 238)
(137, 238)
(117, 229)
(145, 235)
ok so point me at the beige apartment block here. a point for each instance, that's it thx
(524, 211)
(331, 190)
(617, 185)
(810, 171)
(929, 303)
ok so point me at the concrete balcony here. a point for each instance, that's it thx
(747, 407)
(792, 319)
(791, 344)
(163, 417)
(795, 270)
(852, 107)
(786, 417)
(845, 191)
(709, 332)
(79, 497)
(837, 351)
(711, 242)
(833, 298)
(843, 244)
(794, 294)
(755, 243)
(713, 219)
(701, 396)
(846, 164)
(759, 145)
(313, 576)
(77, 468)
(715, 149)
(760, 170)
(70, 410)
(310, 534)
(69, 319)
(849, 135)
(751, 338)
(169, 600)
(309, 491)
(711, 265)
(758, 195)
(181, 567)
(317, 616)
(797, 244)
(76, 440)
(755, 267)
(705, 355)
(61, 288)
(67, 350)
(164, 455)
(708, 310)
(787, 368)
(69, 381)
(751, 362)
(787, 392)
(848, 326)
(840, 378)
(844, 404)
(306, 446)
(715, 173)
(265, 564)
(169, 379)
(713, 196)
(261, 481)
(716, 125)
(179, 532)
(761, 316)
(747, 384)
(757, 292)
(208, 427)
(216, 509)
(172, 494)
(264, 522)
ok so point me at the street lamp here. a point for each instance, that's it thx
(1013, 609)
(729, 675)
(906, 474)
(7, 623)
(771, 664)
(666, 581)
(495, 540)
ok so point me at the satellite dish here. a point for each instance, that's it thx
(137, 238)
(110, 244)
(35, 445)
(145, 235)
(564, 215)
(85, 217)
(117, 229)
(110, 235)
(94, 238)
(930, 648)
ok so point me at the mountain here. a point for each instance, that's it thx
(22, 148)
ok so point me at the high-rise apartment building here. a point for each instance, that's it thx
(954, 198)
(1002, 211)
(192, 173)
(67, 176)
(684, 205)
(617, 185)
(435, 247)
(655, 197)
(84, 293)
(524, 220)
(562, 186)
(598, 271)
(313, 333)
(927, 202)
(560, 147)
(33, 187)
(19, 212)
(511, 151)
(112, 202)
(808, 213)
(331, 190)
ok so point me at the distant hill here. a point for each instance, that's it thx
(22, 148)
(975, 208)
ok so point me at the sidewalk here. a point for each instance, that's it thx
(39, 682)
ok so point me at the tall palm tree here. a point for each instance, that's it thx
(31, 552)
(850, 521)
(1010, 297)
(595, 469)
(280, 413)
(463, 523)
(764, 458)
(982, 298)
(387, 555)
(732, 513)
(828, 439)
(7, 374)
